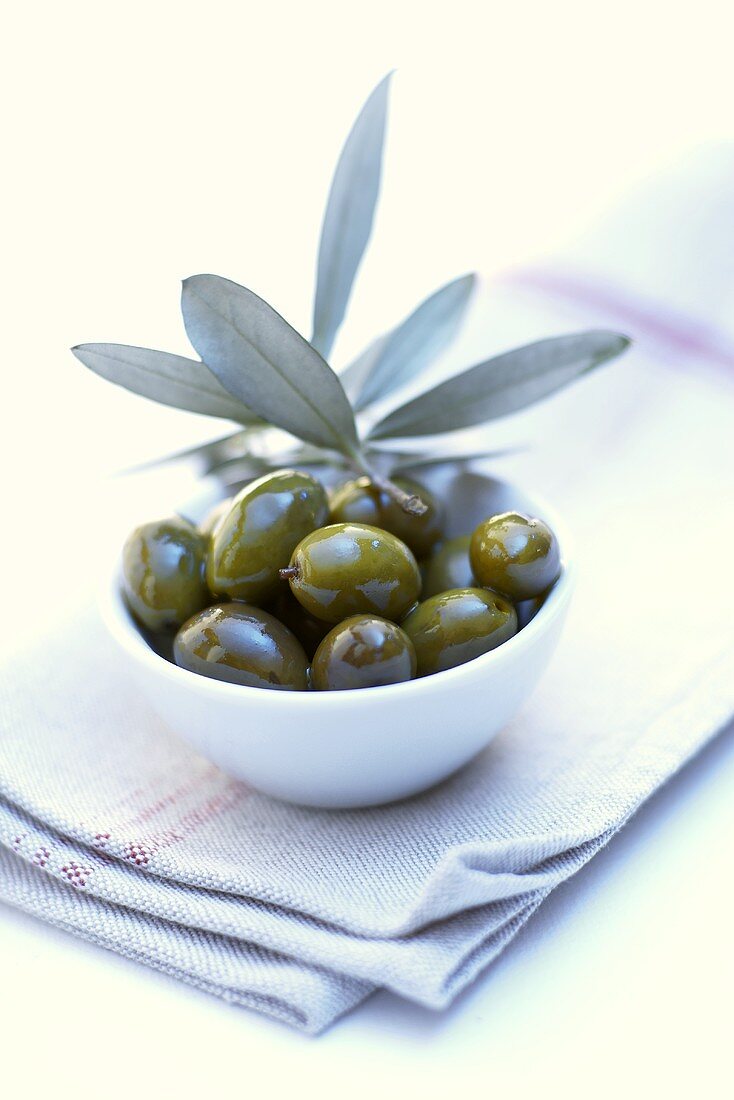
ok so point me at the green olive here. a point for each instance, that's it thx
(360, 502)
(160, 641)
(515, 554)
(213, 516)
(309, 630)
(457, 626)
(353, 569)
(163, 572)
(242, 645)
(363, 651)
(527, 610)
(448, 567)
(256, 538)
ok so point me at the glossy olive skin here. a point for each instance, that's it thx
(213, 516)
(163, 565)
(359, 502)
(527, 610)
(457, 626)
(354, 569)
(448, 567)
(309, 630)
(256, 538)
(242, 645)
(515, 554)
(361, 652)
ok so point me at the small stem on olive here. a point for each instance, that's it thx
(409, 502)
(291, 572)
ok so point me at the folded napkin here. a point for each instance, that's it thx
(112, 828)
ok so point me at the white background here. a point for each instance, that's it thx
(149, 141)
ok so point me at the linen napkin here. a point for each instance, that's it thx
(113, 829)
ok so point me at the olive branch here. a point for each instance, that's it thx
(255, 370)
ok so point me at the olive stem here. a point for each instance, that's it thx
(292, 571)
(409, 502)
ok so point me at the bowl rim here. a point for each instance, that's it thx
(121, 625)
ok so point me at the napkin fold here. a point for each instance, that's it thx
(113, 829)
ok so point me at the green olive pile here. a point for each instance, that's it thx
(282, 587)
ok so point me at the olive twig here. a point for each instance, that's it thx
(409, 502)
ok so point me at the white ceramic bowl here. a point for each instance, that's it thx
(359, 748)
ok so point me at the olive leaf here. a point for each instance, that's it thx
(246, 468)
(425, 461)
(260, 359)
(352, 377)
(348, 218)
(501, 385)
(411, 347)
(165, 378)
(208, 456)
(240, 469)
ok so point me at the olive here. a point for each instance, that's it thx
(256, 538)
(457, 626)
(361, 652)
(527, 610)
(163, 566)
(352, 569)
(515, 554)
(212, 518)
(309, 630)
(360, 502)
(242, 645)
(448, 567)
(160, 641)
